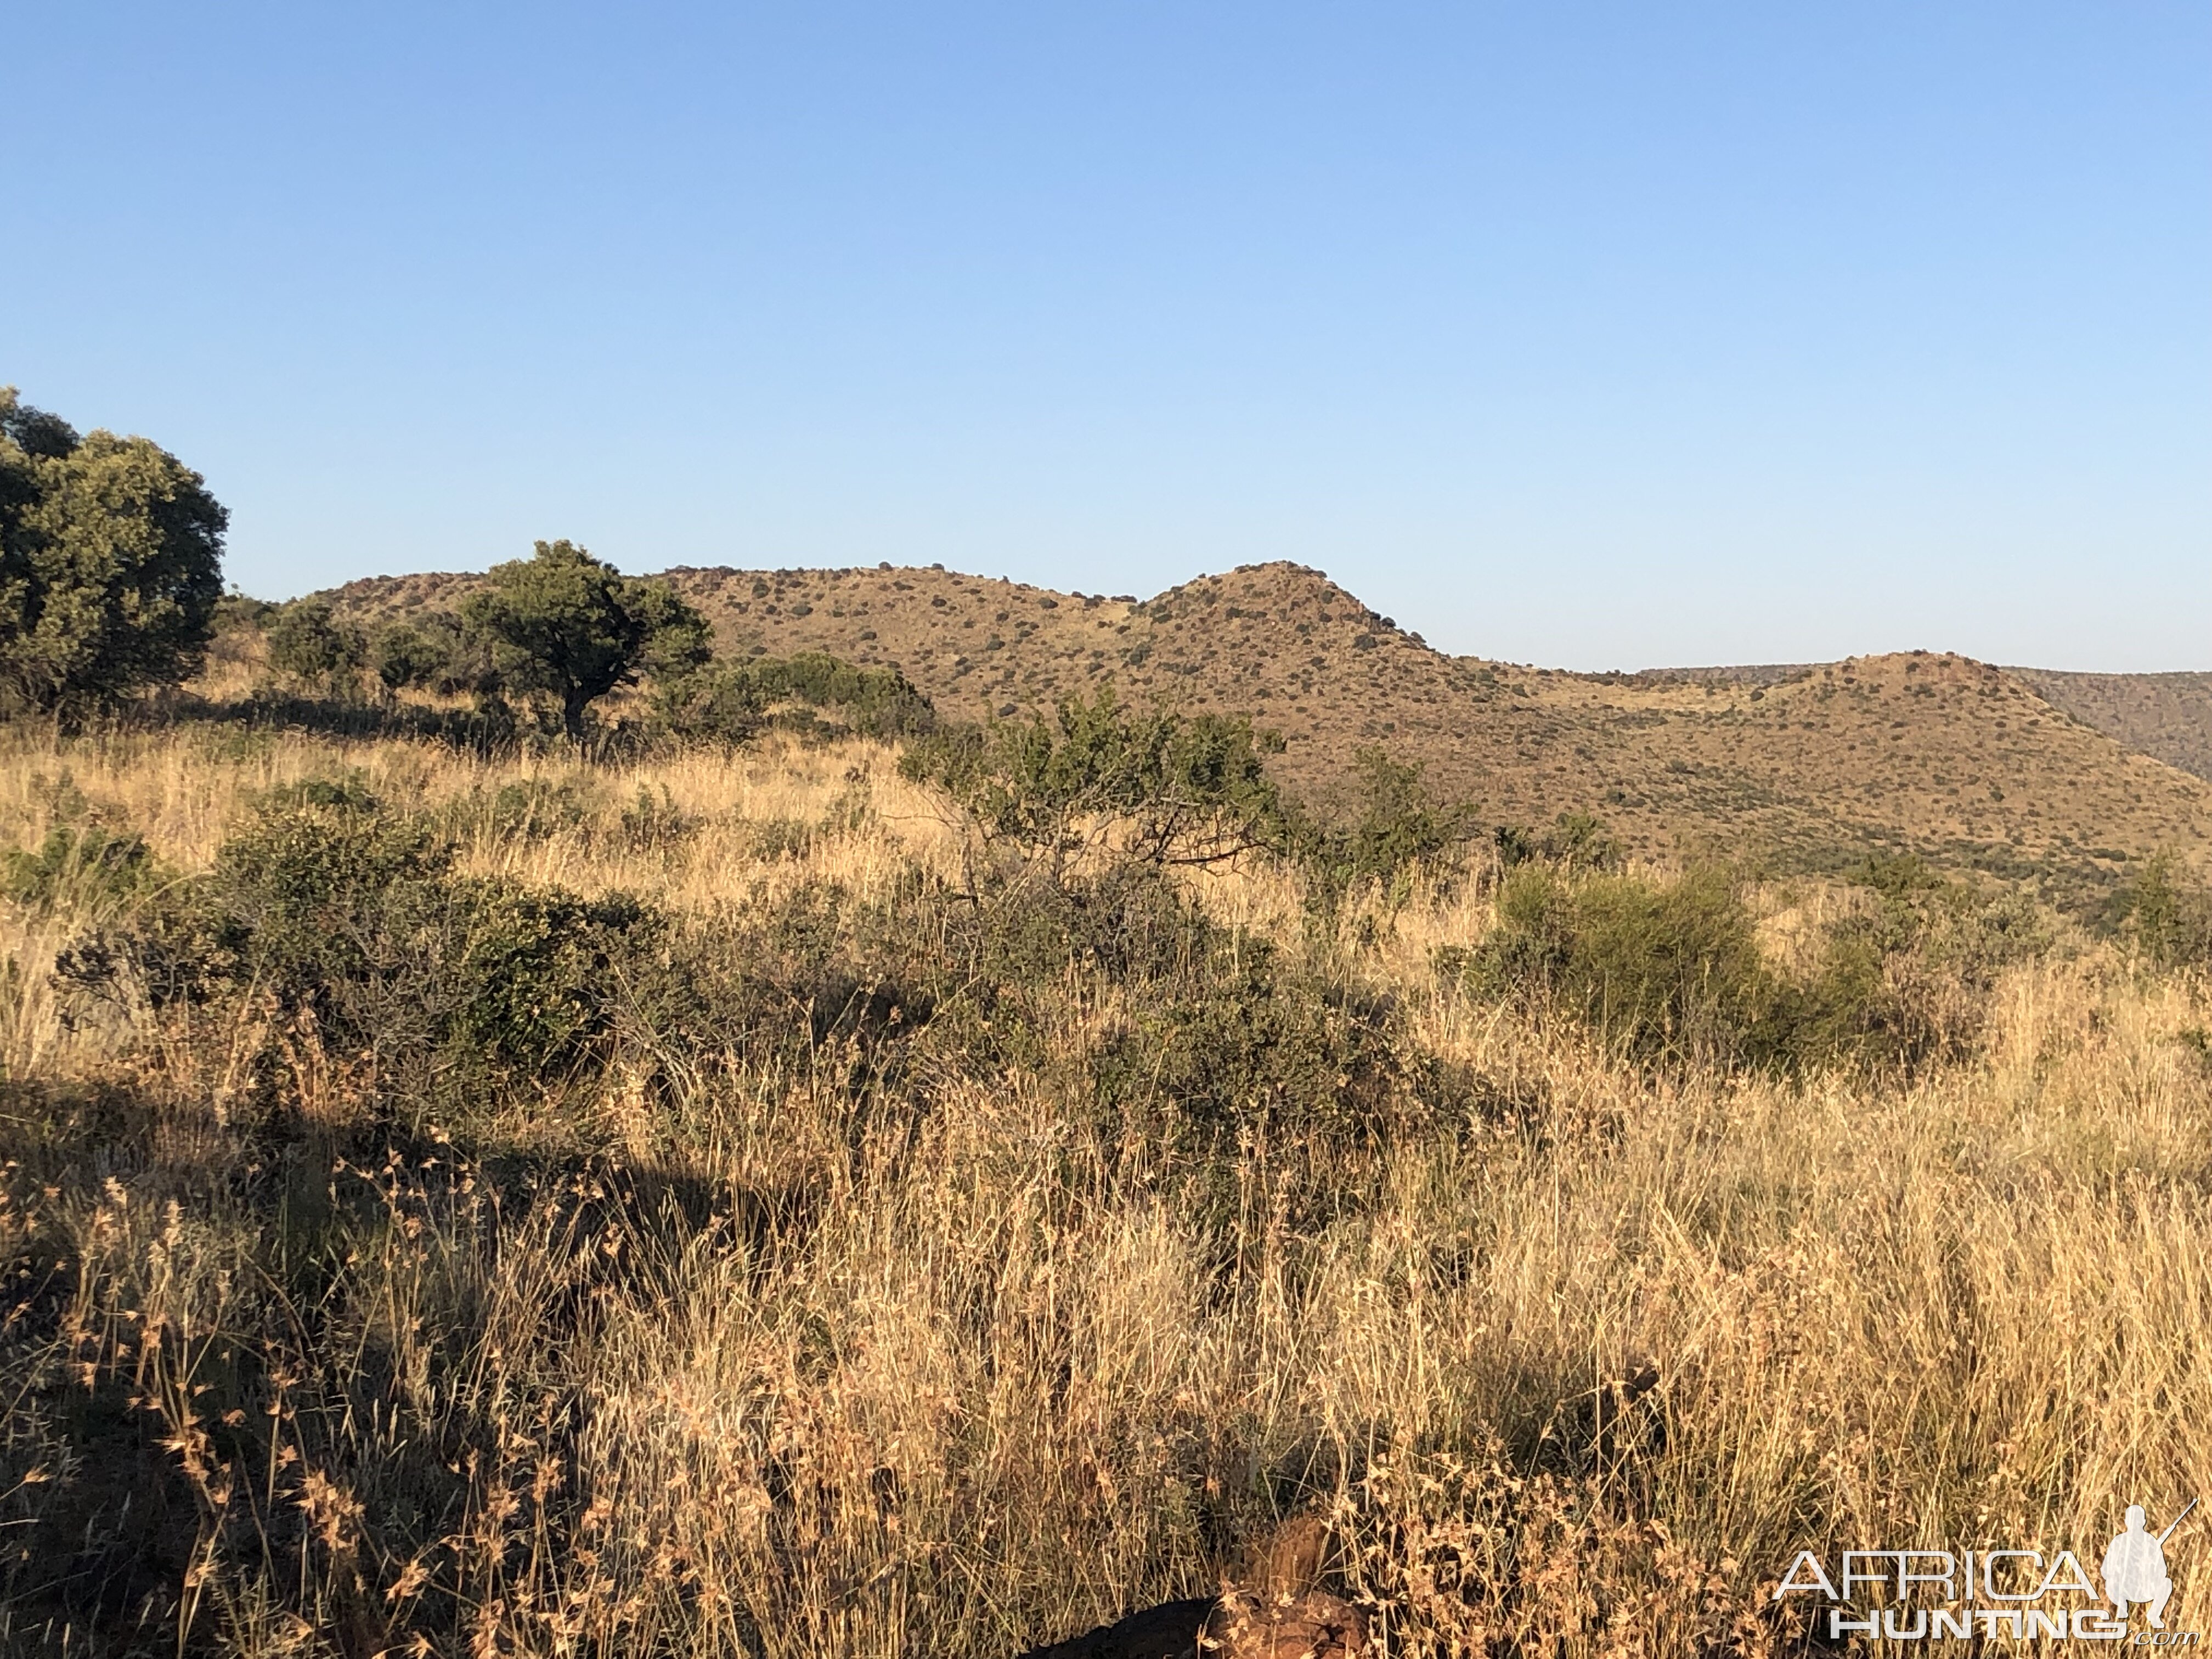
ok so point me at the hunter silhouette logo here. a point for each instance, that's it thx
(2134, 1566)
(1979, 1594)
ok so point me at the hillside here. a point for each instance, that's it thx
(1806, 768)
(2165, 716)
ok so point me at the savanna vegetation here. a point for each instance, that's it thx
(574, 1145)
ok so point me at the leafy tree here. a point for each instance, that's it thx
(1161, 789)
(567, 624)
(405, 656)
(111, 553)
(1397, 825)
(307, 641)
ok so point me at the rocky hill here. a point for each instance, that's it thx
(1807, 767)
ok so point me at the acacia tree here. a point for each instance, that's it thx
(111, 563)
(573, 627)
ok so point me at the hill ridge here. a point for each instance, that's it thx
(1808, 765)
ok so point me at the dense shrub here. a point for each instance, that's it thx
(1394, 825)
(733, 699)
(1670, 969)
(2169, 915)
(1160, 788)
(1908, 979)
(81, 863)
(307, 641)
(1245, 1047)
(1660, 969)
(351, 919)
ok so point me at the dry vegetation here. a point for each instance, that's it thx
(1808, 770)
(890, 1272)
(2168, 716)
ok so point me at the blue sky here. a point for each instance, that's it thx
(1587, 335)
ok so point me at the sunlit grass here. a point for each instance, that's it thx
(738, 1355)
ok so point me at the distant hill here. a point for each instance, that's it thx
(1808, 767)
(2165, 716)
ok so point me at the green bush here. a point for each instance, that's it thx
(1177, 789)
(339, 912)
(1244, 1047)
(80, 864)
(2169, 915)
(1660, 969)
(1670, 970)
(1395, 826)
(307, 641)
(732, 700)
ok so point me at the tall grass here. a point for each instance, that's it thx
(823, 1339)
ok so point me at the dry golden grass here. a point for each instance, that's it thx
(1962, 763)
(1580, 1376)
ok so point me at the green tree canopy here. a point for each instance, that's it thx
(308, 640)
(1174, 789)
(111, 563)
(575, 628)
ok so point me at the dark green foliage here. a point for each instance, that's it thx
(733, 699)
(678, 640)
(1395, 826)
(111, 555)
(80, 862)
(405, 657)
(353, 918)
(1236, 1045)
(1660, 969)
(568, 625)
(1908, 980)
(2169, 915)
(307, 641)
(433, 651)
(237, 612)
(530, 985)
(1177, 789)
(1670, 970)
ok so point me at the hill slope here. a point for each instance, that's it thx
(1807, 767)
(2165, 716)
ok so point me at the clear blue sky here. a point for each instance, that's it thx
(1585, 334)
